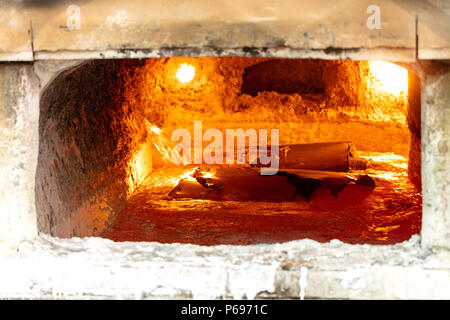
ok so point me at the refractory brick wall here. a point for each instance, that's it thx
(87, 136)
(92, 121)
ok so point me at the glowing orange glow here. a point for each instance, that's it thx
(189, 175)
(207, 175)
(153, 128)
(140, 167)
(220, 202)
(162, 143)
(391, 78)
(185, 73)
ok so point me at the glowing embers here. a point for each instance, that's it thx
(387, 214)
(389, 77)
(243, 183)
(185, 73)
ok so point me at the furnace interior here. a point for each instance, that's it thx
(104, 165)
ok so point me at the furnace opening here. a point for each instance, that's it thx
(342, 140)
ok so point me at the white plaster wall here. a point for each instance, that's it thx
(98, 268)
(436, 156)
(307, 28)
(19, 116)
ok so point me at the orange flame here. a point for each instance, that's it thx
(163, 145)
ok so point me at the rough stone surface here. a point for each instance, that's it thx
(347, 110)
(303, 29)
(98, 268)
(436, 156)
(433, 23)
(15, 36)
(284, 76)
(19, 98)
(84, 151)
(48, 70)
(310, 29)
(414, 124)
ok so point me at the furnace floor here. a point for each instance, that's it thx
(389, 214)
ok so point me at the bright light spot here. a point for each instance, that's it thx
(140, 167)
(154, 129)
(185, 73)
(391, 78)
(189, 175)
(207, 175)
